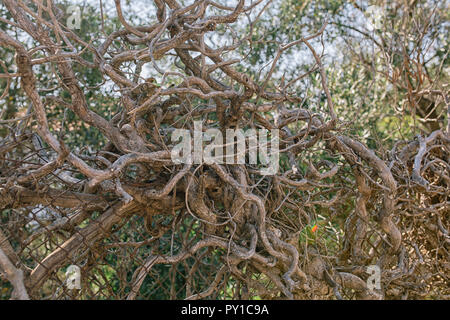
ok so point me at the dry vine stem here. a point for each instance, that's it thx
(126, 211)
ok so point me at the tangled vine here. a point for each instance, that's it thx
(140, 225)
